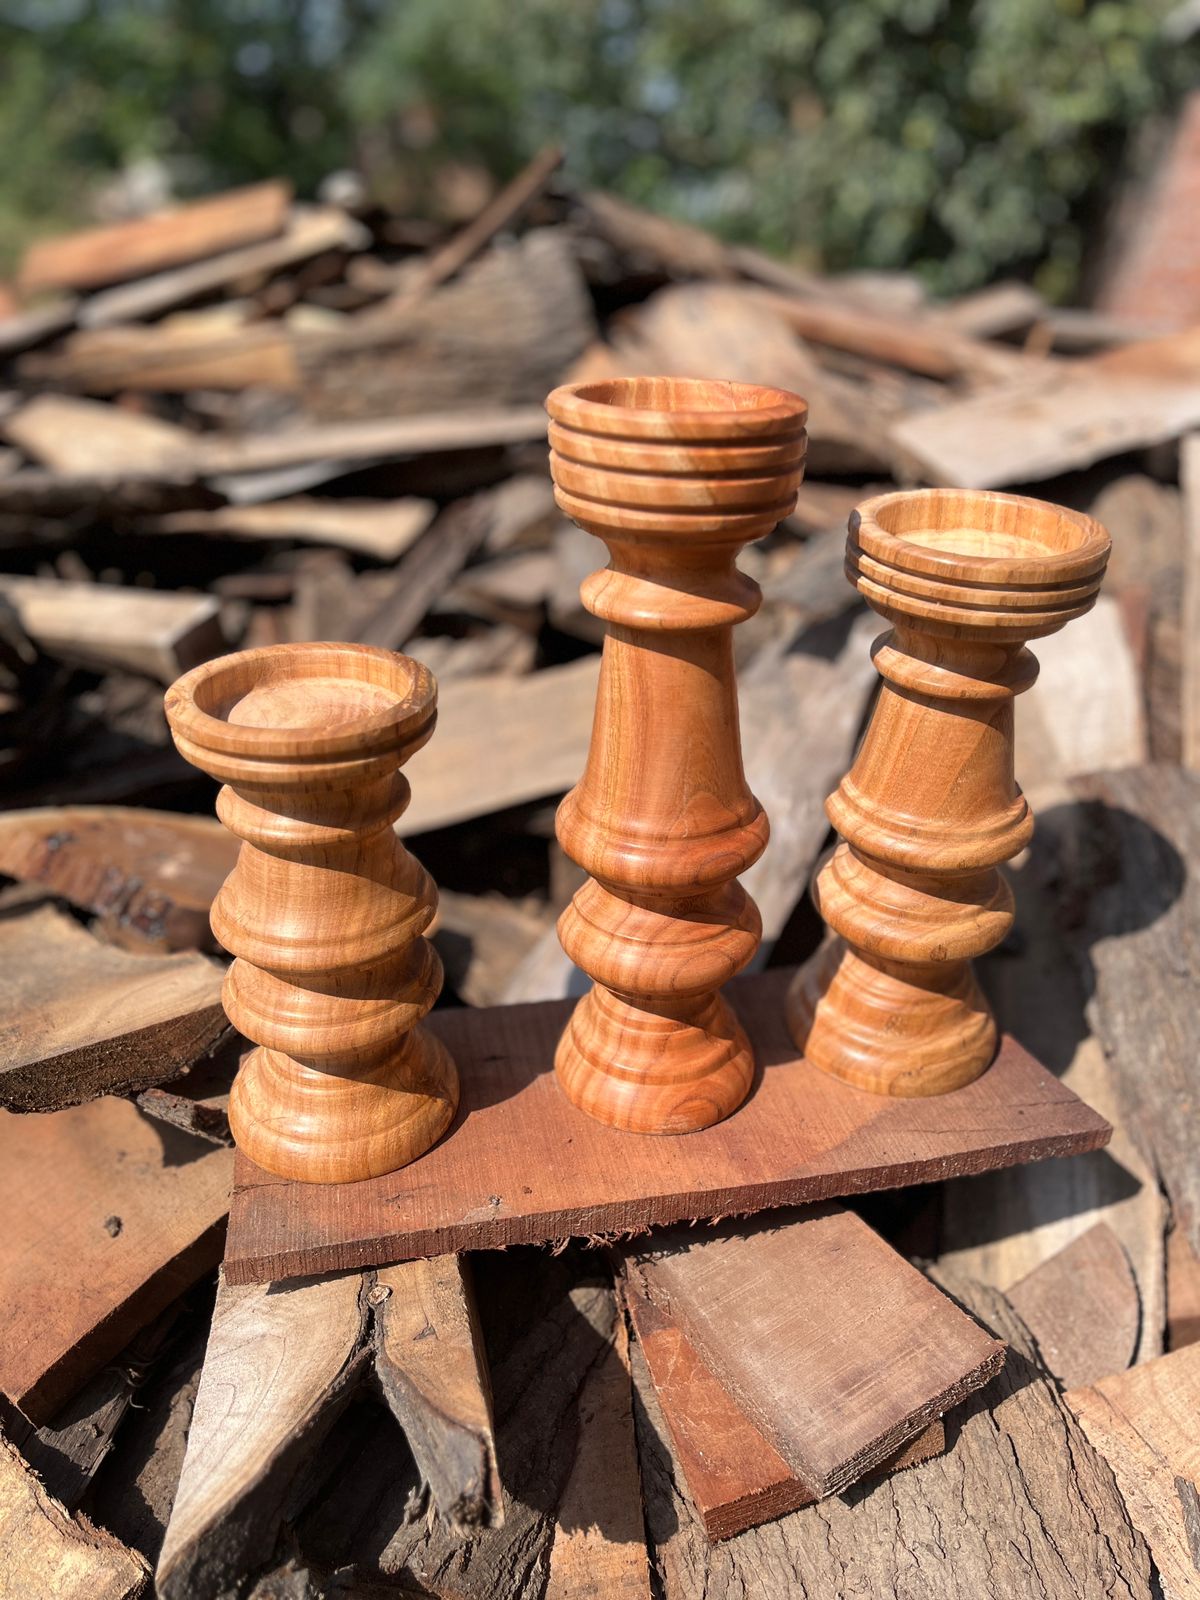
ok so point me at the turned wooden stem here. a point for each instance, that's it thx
(675, 476)
(325, 909)
(931, 805)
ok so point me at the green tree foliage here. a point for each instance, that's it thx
(959, 137)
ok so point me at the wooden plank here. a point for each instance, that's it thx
(148, 631)
(1082, 1308)
(1189, 467)
(88, 437)
(1143, 1422)
(425, 573)
(837, 1380)
(381, 529)
(25, 329)
(733, 1476)
(134, 1215)
(429, 1362)
(150, 876)
(1011, 1510)
(280, 1366)
(802, 1135)
(1068, 416)
(530, 735)
(46, 1552)
(310, 231)
(599, 1549)
(1142, 916)
(124, 250)
(211, 349)
(83, 1019)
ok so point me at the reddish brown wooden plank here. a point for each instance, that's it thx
(732, 1474)
(107, 1218)
(802, 1135)
(836, 1349)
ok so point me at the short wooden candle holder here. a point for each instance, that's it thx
(325, 908)
(931, 805)
(675, 476)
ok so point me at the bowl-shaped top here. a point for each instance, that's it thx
(297, 701)
(678, 409)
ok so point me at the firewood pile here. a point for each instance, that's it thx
(250, 421)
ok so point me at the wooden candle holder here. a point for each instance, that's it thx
(931, 805)
(675, 476)
(325, 908)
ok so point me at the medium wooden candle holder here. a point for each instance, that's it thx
(325, 908)
(675, 476)
(931, 805)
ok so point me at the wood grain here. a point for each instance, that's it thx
(82, 1019)
(325, 910)
(1143, 1422)
(838, 1376)
(999, 1517)
(1082, 1307)
(675, 477)
(803, 1135)
(931, 806)
(733, 1476)
(123, 250)
(134, 1216)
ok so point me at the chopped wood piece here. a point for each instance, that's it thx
(1082, 1308)
(655, 243)
(1183, 1291)
(382, 529)
(504, 333)
(599, 1549)
(1012, 1509)
(198, 1102)
(1069, 415)
(100, 625)
(427, 570)
(839, 1376)
(1189, 460)
(1143, 1422)
(530, 735)
(86, 437)
(1155, 270)
(483, 939)
(429, 1362)
(310, 231)
(187, 351)
(733, 1476)
(150, 876)
(502, 209)
(25, 329)
(801, 1136)
(1087, 700)
(281, 1364)
(45, 1552)
(100, 256)
(1139, 915)
(84, 1020)
(134, 1215)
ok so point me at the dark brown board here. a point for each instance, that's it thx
(521, 1165)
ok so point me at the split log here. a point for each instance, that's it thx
(124, 250)
(149, 876)
(311, 231)
(1068, 416)
(505, 333)
(99, 625)
(1143, 1422)
(1010, 1512)
(599, 1549)
(89, 438)
(381, 529)
(1081, 1306)
(134, 1215)
(838, 1381)
(1138, 912)
(84, 1019)
(44, 1551)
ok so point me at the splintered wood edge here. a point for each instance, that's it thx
(618, 1220)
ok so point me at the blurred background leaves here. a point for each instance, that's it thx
(958, 138)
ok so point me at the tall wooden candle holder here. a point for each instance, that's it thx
(675, 476)
(325, 908)
(931, 805)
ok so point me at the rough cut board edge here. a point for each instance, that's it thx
(625, 1218)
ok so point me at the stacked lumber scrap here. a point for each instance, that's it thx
(250, 420)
